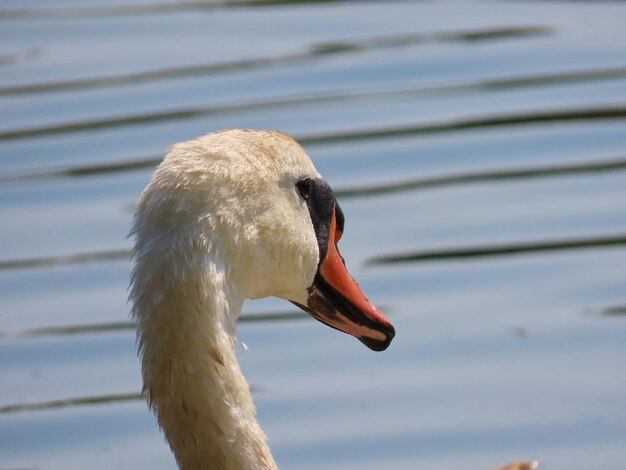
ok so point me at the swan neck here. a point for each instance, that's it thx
(186, 314)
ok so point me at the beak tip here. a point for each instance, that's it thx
(380, 345)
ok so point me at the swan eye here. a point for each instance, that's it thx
(303, 188)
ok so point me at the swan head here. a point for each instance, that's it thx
(254, 201)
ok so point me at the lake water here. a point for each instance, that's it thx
(478, 149)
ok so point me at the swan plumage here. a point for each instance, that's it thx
(228, 216)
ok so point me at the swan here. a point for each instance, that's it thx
(233, 215)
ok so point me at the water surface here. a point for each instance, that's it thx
(478, 150)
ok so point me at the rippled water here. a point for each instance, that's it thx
(478, 149)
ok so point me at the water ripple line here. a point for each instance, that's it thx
(542, 171)
(591, 113)
(162, 7)
(113, 327)
(320, 98)
(312, 52)
(485, 251)
(112, 398)
(78, 258)
(71, 402)
(480, 122)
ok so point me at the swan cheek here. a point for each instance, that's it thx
(298, 273)
(283, 262)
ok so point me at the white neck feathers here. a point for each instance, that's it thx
(186, 306)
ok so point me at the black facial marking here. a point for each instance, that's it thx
(320, 200)
(339, 216)
(303, 188)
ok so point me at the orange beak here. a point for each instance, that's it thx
(336, 299)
